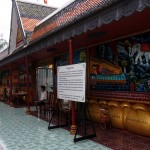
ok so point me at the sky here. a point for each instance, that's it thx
(5, 14)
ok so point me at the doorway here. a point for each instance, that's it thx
(44, 76)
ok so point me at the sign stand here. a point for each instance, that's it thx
(58, 103)
(83, 114)
(71, 86)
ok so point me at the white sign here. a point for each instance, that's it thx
(71, 82)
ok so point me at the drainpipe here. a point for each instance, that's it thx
(73, 116)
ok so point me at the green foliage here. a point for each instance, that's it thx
(3, 44)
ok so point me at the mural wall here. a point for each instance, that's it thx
(122, 65)
(79, 56)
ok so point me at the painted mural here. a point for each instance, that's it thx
(134, 58)
(123, 65)
(79, 56)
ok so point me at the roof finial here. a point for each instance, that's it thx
(45, 1)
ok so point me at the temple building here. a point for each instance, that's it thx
(111, 36)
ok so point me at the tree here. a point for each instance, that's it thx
(3, 44)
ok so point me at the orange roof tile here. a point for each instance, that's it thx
(29, 23)
(66, 17)
(31, 14)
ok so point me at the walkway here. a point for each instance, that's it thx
(19, 131)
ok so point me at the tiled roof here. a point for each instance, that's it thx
(71, 13)
(29, 24)
(32, 13)
(33, 10)
(112, 10)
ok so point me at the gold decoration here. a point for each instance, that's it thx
(125, 112)
(102, 102)
(140, 106)
(94, 111)
(113, 103)
(138, 121)
(73, 129)
(116, 115)
(125, 104)
(133, 117)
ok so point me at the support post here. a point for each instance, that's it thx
(10, 77)
(27, 85)
(83, 114)
(73, 116)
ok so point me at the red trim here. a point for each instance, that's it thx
(72, 103)
(27, 82)
(10, 98)
(145, 47)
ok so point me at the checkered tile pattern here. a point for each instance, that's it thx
(19, 131)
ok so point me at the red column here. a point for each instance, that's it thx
(27, 85)
(73, 116)
(10, 77)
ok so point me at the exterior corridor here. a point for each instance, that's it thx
(19, 131)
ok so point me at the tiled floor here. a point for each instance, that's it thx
(19, 131)
(117, 139)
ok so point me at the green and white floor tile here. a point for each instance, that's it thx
(19, 131)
